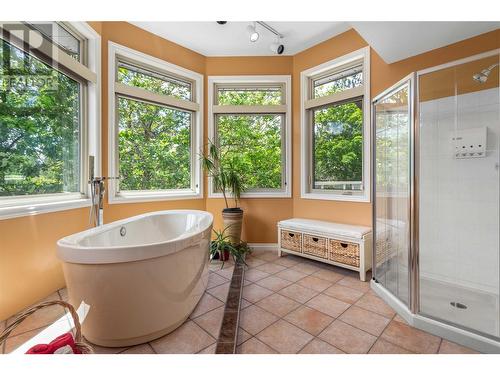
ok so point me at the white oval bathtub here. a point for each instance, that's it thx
(141, 276)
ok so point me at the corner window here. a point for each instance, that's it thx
(249, 119)
(336, 129)
(155, 128)
(48, 124)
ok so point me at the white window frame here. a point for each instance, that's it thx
(90, 74)
(284, 109)
(117, 51)
(307, 102)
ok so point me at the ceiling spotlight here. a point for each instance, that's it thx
(277, 47)
(221, 22)
(252, 31)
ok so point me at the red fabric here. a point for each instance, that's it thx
(59, 342)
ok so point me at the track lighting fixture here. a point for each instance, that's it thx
(252, 31)
(277, 47)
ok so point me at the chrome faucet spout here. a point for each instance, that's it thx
(97, 192)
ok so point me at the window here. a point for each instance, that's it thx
(48, 119)
(63, 36)
(249, 120)
(336, 129)
(155, 128)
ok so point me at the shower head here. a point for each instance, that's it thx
(482, 77)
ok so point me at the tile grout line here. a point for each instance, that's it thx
(151, 346)
(208, 346)
(439, 346)
(206, 312)
(263, 343)
(380, 337)
(203, 329)
(244, 340)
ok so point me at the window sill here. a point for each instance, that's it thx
(141, 197)
(267, 194)
(336, 197)
(40, 206)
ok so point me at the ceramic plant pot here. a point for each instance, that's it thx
(224, 257)
(233, 220)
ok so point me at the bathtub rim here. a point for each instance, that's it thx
(69, 251)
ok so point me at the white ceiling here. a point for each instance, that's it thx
(396, 41)
(393, 41)
(232, 39)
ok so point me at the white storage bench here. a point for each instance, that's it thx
(348, 246)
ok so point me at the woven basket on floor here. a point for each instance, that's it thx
(79, 343)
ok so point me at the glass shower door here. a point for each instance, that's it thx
(392, 115)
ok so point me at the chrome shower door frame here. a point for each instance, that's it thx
(413, 249)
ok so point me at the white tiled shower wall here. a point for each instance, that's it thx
(459, 198)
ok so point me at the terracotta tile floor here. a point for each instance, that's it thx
(197, 335)
(296, 305)
(289, 305)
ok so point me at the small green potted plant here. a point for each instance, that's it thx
(227, 180)
(221, 248)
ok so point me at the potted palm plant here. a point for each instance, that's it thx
(227, 180)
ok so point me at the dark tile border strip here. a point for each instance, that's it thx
(228, 334)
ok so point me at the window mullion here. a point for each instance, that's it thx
(149, 96)
(249, 109)
(336, 97)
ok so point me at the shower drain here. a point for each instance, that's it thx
(458, 305)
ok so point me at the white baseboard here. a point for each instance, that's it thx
(263, 246)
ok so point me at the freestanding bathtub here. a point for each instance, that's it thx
(141, 276)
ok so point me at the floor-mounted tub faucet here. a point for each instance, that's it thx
(97, 191)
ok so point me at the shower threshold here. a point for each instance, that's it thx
(448, 331)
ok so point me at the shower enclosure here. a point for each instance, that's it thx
(436, 192)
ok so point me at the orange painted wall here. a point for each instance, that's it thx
(261, 215)
(29, 268)
(385, 75)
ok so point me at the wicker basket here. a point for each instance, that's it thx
(291, 241)
(79, 343)
(383, 250)
(344, 252)
(317, 246)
